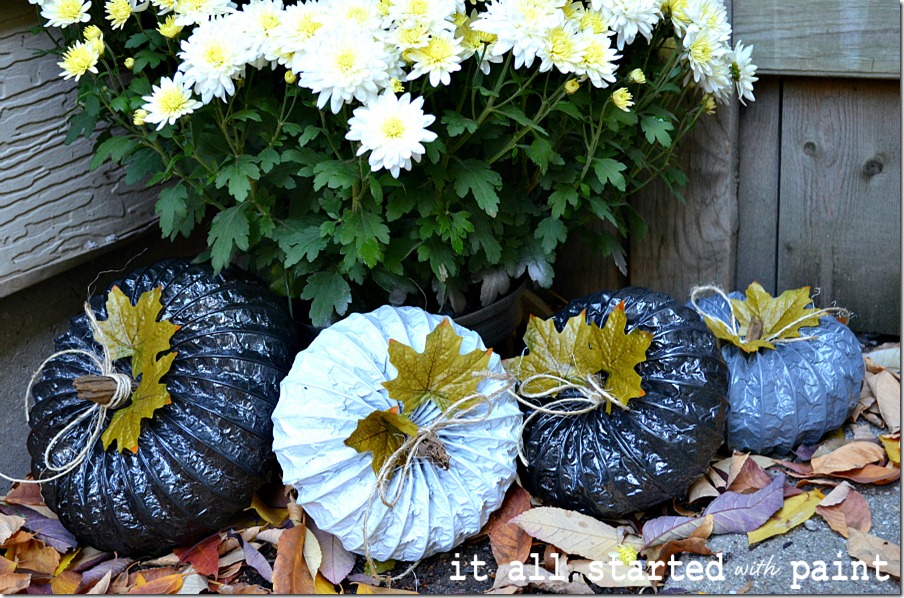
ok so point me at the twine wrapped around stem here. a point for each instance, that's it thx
(774, 338)
(121, 394)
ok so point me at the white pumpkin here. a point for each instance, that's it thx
(338, 380)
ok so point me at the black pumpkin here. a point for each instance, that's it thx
(199, 458)
(611, 464)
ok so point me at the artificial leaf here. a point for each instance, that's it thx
(869, 548)
(203, 555)
(133, 330)
(845, 508)
(382, 433)
(337, 562)
(125, 425)
(892, 444)
(440, 374)
(290, 570)
(508, 541)
(794, 511)
(621, 353)
(852, 455)
(573, 532)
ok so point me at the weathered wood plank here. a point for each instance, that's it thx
(54, 213)
(840, 213)
(822, 37)
(758, 170)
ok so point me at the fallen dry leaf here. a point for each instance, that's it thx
(337, 562)
(520, 575)
(203, 555)
(794, 511)
(25, 494)
(167, 584)
(573, 532)
(275, 516)
(887, 390)
(612, 574)
(868, 548)
(892, 445)
(508, 541)
(745, 588)
(7, 566)
(658, 556)
(9, 524)
(748, 478)
(290, 570)
(702, 488)
(847, 457)
(193, 582)
(66, 582)
(844, 508)
(323, 586)
(13, 583)
(313, 555)
(34, 557)
(870, 474)
(102, 585)
(242, 588)
(270, 535)
(364, 588)
(145, 575)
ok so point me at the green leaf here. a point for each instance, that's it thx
(517, 115)
(481, 180)
(228, 229)
(381, 433)
(300, 240)
(329, 293)
(551, 231)
(335, 175)
(657, 130)
(147, 58)
(561, 198)
(268, 159)
(238, 175)
(440, 373)
(541, 153)
(246, 115)
(366, 230)
(609, 170)
(81, 123)
(456, 124)
(115, 148)
(172, 208)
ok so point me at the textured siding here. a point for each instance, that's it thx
(54, 213)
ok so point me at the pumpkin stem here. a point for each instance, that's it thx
(432, 449)
(97, 389)
(754, 329)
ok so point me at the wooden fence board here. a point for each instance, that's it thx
(840, 209)
(54, 213)
(758, 171)
(822, 37)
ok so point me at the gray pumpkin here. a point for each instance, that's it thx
(791, 395)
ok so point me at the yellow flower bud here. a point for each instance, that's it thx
(709, 104)
(97, 44)
(92, 32)
(622, 99)
(396, 86)
(637, 76)
(290, 77)
(129, 62)
(571, 86)
(168, 28)
(139, 117)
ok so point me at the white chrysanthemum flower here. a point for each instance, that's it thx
(80, 58)
(703, 51)
(477, 43)
(598, 60)
(62, 13)
(718, 82)
(345, 64)
(212, 57)
(365, 15)
(410, 36)
(393, 130)
(675, 10)
(629, 18)
(435, 15)
(743, 71)
(594, 21)
(170, 100)
(520, 26)
(708, 14)
(119, 11)
(164, 6)
(191, 12)
(298, 24)
(439, 59)
(259, 20)
(564, 49)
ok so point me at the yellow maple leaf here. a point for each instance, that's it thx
(440, 374)
(382, 433)
(133, 330)
(621, 354)
(795, 510)
(151, 394)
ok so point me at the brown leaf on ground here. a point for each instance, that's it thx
(363, 588)
(168, 584)
(745, 588)
(103, 585)
(9, 524)
(290, 571)
(275, 516)
(145, 575)
(7, 566)
(749, 478)
(242, 588)
(847, 457)
(34, 557)
(550, 554)
(574, 532)
(28, 495)
(66, 582)
(794, 511)
(887, 390)
(203, 555)
(120, 584)
(522, 576)
(613, 574)
(20, 537)
(658, 556)
(868, 548)
(845, 508)
(892, 445)
(508, 541)
(870, 474)
(702, 488)
(12, 583)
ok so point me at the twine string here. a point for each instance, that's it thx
(774, 338)
(99, 412)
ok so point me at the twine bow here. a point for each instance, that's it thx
(733, 324)
(120, 396)
(454, 415)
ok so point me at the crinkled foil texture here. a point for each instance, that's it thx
(337, 381)
(794, 394)
(612, 464)
(199, 459)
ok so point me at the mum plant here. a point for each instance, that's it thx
(358, 151)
